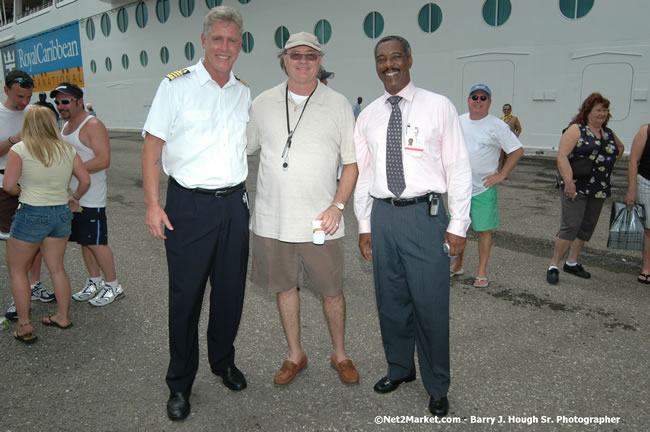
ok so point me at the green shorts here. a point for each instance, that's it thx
(484, 211)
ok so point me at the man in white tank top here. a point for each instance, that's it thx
(89, 228)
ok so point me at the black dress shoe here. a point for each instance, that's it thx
(232, 378)
(439, 406)
(387, 385)
(178, 406)
(577, 270)
(552, 276)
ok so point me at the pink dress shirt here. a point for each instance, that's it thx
(437, 162)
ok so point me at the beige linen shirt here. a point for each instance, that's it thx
(288, 200)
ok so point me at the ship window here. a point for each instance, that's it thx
(141, 14)
(323, 31)
(90, 28)
(186, 7)
(575, 9)
(144, 58)
(125, 61)
(247, 42)
(244, 1)
(373, 25)
(189, 50)
(106, 24)
(93, 66)
(122, 20)
(496, 12)
(164, 55)
(430, 17)
(109, 64)
(162, 10)
(281, 36)
(213, 3)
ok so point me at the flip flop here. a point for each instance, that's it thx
(644, 278)
(481, 282)
(453, 273)
(28, 338)
(48, 321)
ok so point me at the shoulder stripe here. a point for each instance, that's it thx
(178, 73)
(241, 80)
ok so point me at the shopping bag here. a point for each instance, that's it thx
(626, 226)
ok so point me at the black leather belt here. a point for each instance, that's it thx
(403, 202)
(221, 192)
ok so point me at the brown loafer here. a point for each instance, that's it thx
(289, 370)
(347, 372)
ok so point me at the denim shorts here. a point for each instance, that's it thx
(34, 223)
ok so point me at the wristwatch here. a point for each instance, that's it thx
(338, 205)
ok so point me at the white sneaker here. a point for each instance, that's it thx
(4, 236)
(107, 295)
(90, 290)
(36, 290)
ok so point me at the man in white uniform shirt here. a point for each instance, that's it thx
(485, 135)
(198, 123)
(410, 149)
(89, 138)
(301, 128)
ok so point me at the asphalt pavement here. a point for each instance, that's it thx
(525, 355)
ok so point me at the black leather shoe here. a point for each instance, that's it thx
(232, 378)
(387, 385)
(178, 406)
(552, 276)
(577, 270)
(439, 407)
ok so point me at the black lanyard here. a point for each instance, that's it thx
(287, 145)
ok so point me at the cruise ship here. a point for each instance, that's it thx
(541, 56)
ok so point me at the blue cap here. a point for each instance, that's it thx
(483, 87)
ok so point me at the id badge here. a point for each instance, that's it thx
(413, 139)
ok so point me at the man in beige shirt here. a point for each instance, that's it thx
(301, 127)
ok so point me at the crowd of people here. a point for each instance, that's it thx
(399, 155)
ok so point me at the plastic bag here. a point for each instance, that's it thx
(626, 226)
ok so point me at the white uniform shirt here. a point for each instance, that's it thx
(204, 128)
(485, 138)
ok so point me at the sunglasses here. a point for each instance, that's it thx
(296, 56)
(64, 101)
(483, 98)
(23, 82)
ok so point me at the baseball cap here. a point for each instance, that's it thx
(483, 87)
(68, 89)
(303, 38)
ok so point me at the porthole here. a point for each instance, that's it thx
(144, 58)
(247, 42)
(186, 7)
(373, 25)
(108, 63)
(164, 55)
(125, 61)
(106, 24)
(162, 10)
(323, 31)
(575, 9)
(93, 66)
(430, 17)
(141, 14)
(281, 36)
(213, 3)
(496, 12)
(90, 29)
(244, 1)
(122, 20)
(189, 50)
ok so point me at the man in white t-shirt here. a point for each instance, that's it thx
(485, 136)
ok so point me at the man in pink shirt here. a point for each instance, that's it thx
(410, 150)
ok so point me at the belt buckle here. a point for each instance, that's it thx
(392, 202)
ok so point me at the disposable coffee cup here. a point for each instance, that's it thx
(318, 233)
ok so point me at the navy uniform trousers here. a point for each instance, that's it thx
(412, 287)
(209, 240)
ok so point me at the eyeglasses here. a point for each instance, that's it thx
(64, 101)
(23, 82)
(476, 97)
(296, 56)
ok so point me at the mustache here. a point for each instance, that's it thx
(390, 70)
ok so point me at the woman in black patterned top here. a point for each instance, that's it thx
(582, 198)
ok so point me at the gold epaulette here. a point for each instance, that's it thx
(176, 74)
(241, 80)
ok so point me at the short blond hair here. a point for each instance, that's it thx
(223, 13)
